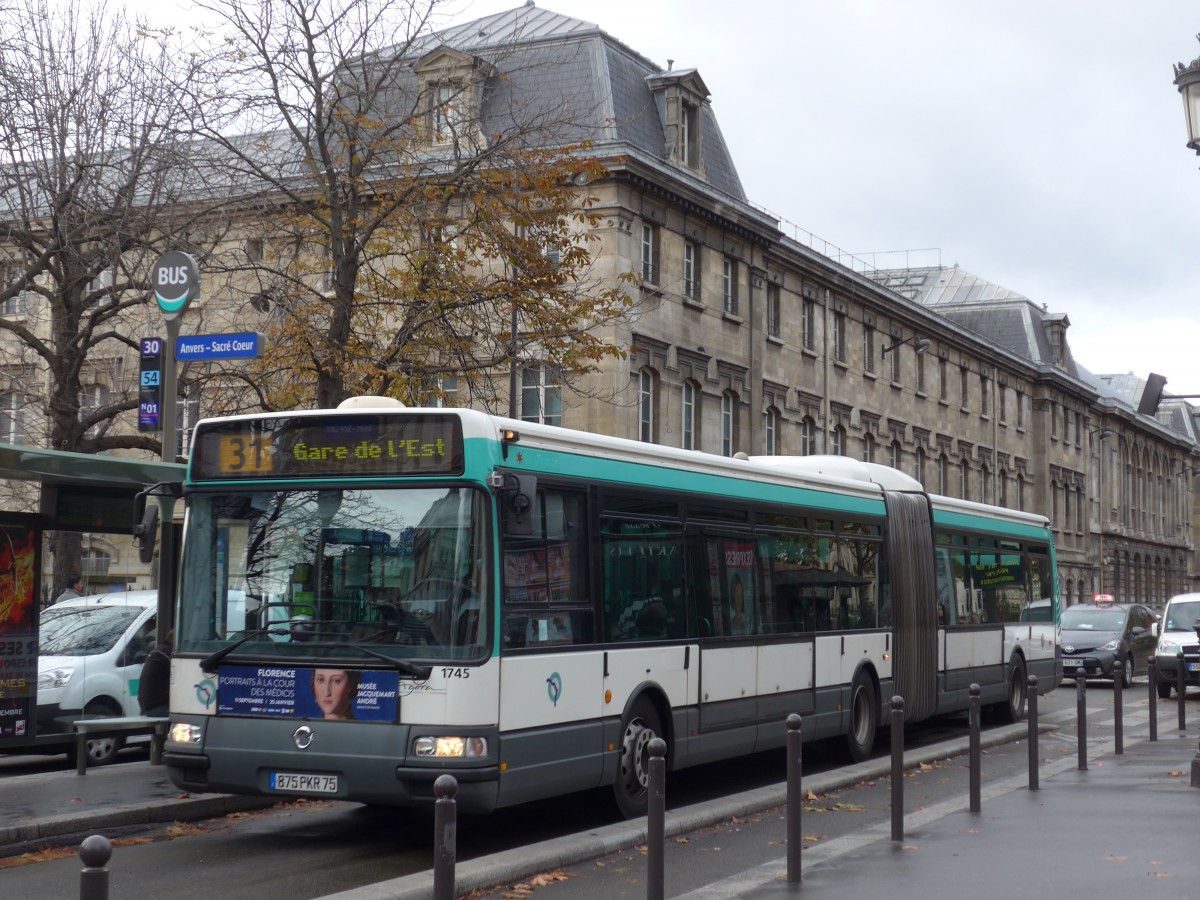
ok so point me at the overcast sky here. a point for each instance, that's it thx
(1039, 145)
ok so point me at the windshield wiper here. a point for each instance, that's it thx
(208, 665)
(421, 673)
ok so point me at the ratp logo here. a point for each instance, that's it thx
(554, 687)
(206, 692)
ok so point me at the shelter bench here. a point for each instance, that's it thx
(120, 726)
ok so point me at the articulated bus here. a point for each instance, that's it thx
(374, 596)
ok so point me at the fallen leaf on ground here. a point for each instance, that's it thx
(682, 840)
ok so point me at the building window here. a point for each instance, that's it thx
(771, 432)
(895, 455)
(964, 480)
(445, 393)
(14, 418)
(541, 395)
(807, 431)
(689, 136)
(646, 406)
(894, 358)
(691, 271)
(1002, 400)
(919, 465)
(91, 398)
(774, 307)
(837, 441)
(808, 320)
(868, 348)
(964, 385)
(943, 380)
(985, 484)
(868, 448)
(649, 254)
(728, 422)
(985, 391)
(943, 475)
(1002, 479)
(839, 337)
(446, 114)
(921, 373)
(17, 304)
(687, 427)
(1020, 404)
(729, 286)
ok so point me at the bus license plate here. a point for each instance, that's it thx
(309, 784)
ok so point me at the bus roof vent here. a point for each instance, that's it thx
(371, 403)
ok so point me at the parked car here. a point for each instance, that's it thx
(1178, 636)
(1095, 637)
(90, 656)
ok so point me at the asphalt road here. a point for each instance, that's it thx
(309, 849)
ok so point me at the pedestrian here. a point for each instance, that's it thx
(74, 589)
(154, 686)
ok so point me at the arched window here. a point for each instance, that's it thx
(647, 390)
(771, 432)
(728, 423)
(690, 416)
(808, 428)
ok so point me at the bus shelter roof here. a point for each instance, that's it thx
(59, 467)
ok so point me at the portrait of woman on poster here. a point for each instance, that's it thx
(334, 691)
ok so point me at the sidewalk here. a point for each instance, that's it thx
(1126, 825)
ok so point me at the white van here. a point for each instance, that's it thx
(90, 656)
(1178, 635)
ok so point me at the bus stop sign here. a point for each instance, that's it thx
(176, 279)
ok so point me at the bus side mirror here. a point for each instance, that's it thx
(518, 498)
(145, 526)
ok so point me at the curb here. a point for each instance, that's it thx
(514, 865)
(172, 809)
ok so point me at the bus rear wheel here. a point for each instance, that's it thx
(631, 789)
(864, 718)
(1013, 710)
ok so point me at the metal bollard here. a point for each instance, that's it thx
(795, 799)
(95, 851)
(656, 818)
(897, 768)
(976, 760)
(1119, 707)
(1153, 663)
(1081, 709)
(1181, 687)
(1033, 732)
(445, 836)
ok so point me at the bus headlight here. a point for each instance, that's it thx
(183, 733)
(450, 747)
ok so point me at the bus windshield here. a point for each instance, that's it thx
(336, 573)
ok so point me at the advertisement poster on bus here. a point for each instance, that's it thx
(20, 543)
(739, 580)
(293, 692)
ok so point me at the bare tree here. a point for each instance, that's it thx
(414, 204)
(89, 181)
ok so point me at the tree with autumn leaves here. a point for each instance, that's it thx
(410, 237)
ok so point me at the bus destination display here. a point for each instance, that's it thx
(329, 447)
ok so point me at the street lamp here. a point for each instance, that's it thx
(920, 344)
(1187, 79)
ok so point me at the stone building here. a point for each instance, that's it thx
(744, 339)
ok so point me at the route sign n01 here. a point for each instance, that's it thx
(176, 280)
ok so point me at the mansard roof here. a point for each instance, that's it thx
(591, 85)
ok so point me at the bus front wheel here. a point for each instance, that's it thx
(864, 718)
(631, 789)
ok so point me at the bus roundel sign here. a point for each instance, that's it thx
(176, 279)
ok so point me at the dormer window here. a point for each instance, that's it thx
(681, 96)
(451, 86)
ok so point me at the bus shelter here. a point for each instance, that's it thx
(78, 492)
